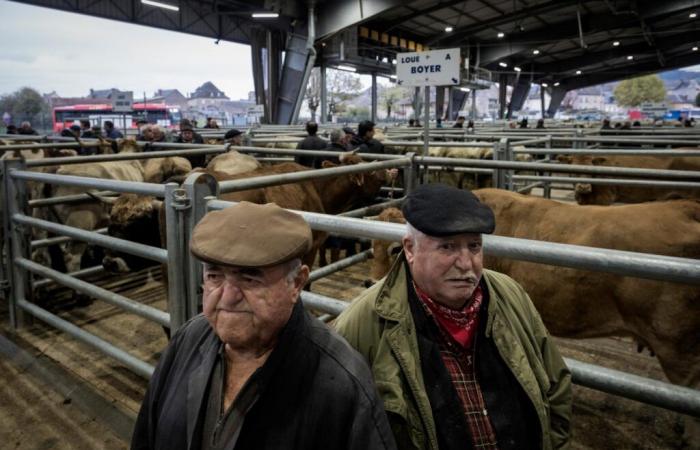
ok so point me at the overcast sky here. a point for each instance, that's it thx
(70, 53)
(52, 50)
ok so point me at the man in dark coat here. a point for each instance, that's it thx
(310, 142)
(255, 370)
(366, 132)
(188, 136)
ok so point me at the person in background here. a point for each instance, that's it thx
(110, 132)
(459, 123)
(234, 137)
(26, 128)
(11, 129)
(462, 354)
(411, 123)
(366, 132)
(188, 136)
(540, 124)
(606, 124)
(354, 140)
(310, 142)
(438, 123)
(86, 130)
(255, 370)
(523, 123)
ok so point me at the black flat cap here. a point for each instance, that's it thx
(441, 210)
(232, 133)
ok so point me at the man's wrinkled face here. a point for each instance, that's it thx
(448, 269)
(187, 135)
(148, 133)
(248, 307)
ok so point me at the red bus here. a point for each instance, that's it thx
(158, 113)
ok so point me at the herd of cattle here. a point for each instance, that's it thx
(663, 316)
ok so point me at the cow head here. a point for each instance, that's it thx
(134, 218)
(384, 252)
(344, 191)
(127, 146)
(587, 193)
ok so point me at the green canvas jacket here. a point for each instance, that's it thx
(380, 326)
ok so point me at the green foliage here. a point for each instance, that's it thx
(23, 104)
(635, 91)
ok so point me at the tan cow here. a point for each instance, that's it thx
(597, 194)
(232, 163)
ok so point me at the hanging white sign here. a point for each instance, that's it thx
(430, 68)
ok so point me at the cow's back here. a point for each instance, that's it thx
(577, 303)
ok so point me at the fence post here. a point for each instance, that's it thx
(410, 174)
(197, 187)
(547, 187)
(15, 202)
(499, 180)
(176, 203)
(508, 156)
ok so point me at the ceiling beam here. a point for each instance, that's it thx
(334, 16)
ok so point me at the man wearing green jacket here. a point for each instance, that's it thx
(459, 354)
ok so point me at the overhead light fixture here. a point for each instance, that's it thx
(448, 29)
(502, 64)
(348, 68)
(535, 52)
(578, 72)
(545, 85)
(161, 5)
(393, 61)
(393, 77)
(500, 34)
(616, 43)
(695, 49)
(630, 58)
(693, 15)
(556, 84)
(516, 68)
(265, 15)
(464, 89)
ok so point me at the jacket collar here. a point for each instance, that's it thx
(198, 381)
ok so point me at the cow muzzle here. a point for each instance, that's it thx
(115, 265)
(583, 188)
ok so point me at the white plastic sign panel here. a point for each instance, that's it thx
(432, 68)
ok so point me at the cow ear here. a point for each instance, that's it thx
(327, 164)
(598, 160)
(156, 204)
(565, 159)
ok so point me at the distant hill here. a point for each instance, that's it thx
(676, 75)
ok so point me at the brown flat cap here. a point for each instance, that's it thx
(250, 235)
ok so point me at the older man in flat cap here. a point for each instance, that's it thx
(459, 353)
(255, 371)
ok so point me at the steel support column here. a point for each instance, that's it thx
(502, 90)
(374, 98)
(557, 96)
(439, 101)
(258, 74)
(323, 94)
(517, 99)
(457, 101)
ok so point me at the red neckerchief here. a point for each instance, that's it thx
(460, 324)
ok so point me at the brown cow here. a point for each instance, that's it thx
(597, 194)
(582, 304)
(329, 195)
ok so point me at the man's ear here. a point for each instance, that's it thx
(408, 248)
(300, 281)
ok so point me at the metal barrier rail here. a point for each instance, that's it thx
(145, 311)
(132, 187)
(610, 181)
(306, 175)
(641, 265)
(340, 265)
(67, 199)
(144, 251)
(136, 365)
(610, 151)
(77, 274)
(373, 209)
(39, 243)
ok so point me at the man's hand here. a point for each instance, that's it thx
(391, 174)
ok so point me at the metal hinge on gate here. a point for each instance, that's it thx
(181, 201)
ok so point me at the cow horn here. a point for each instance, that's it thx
(103, 198)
